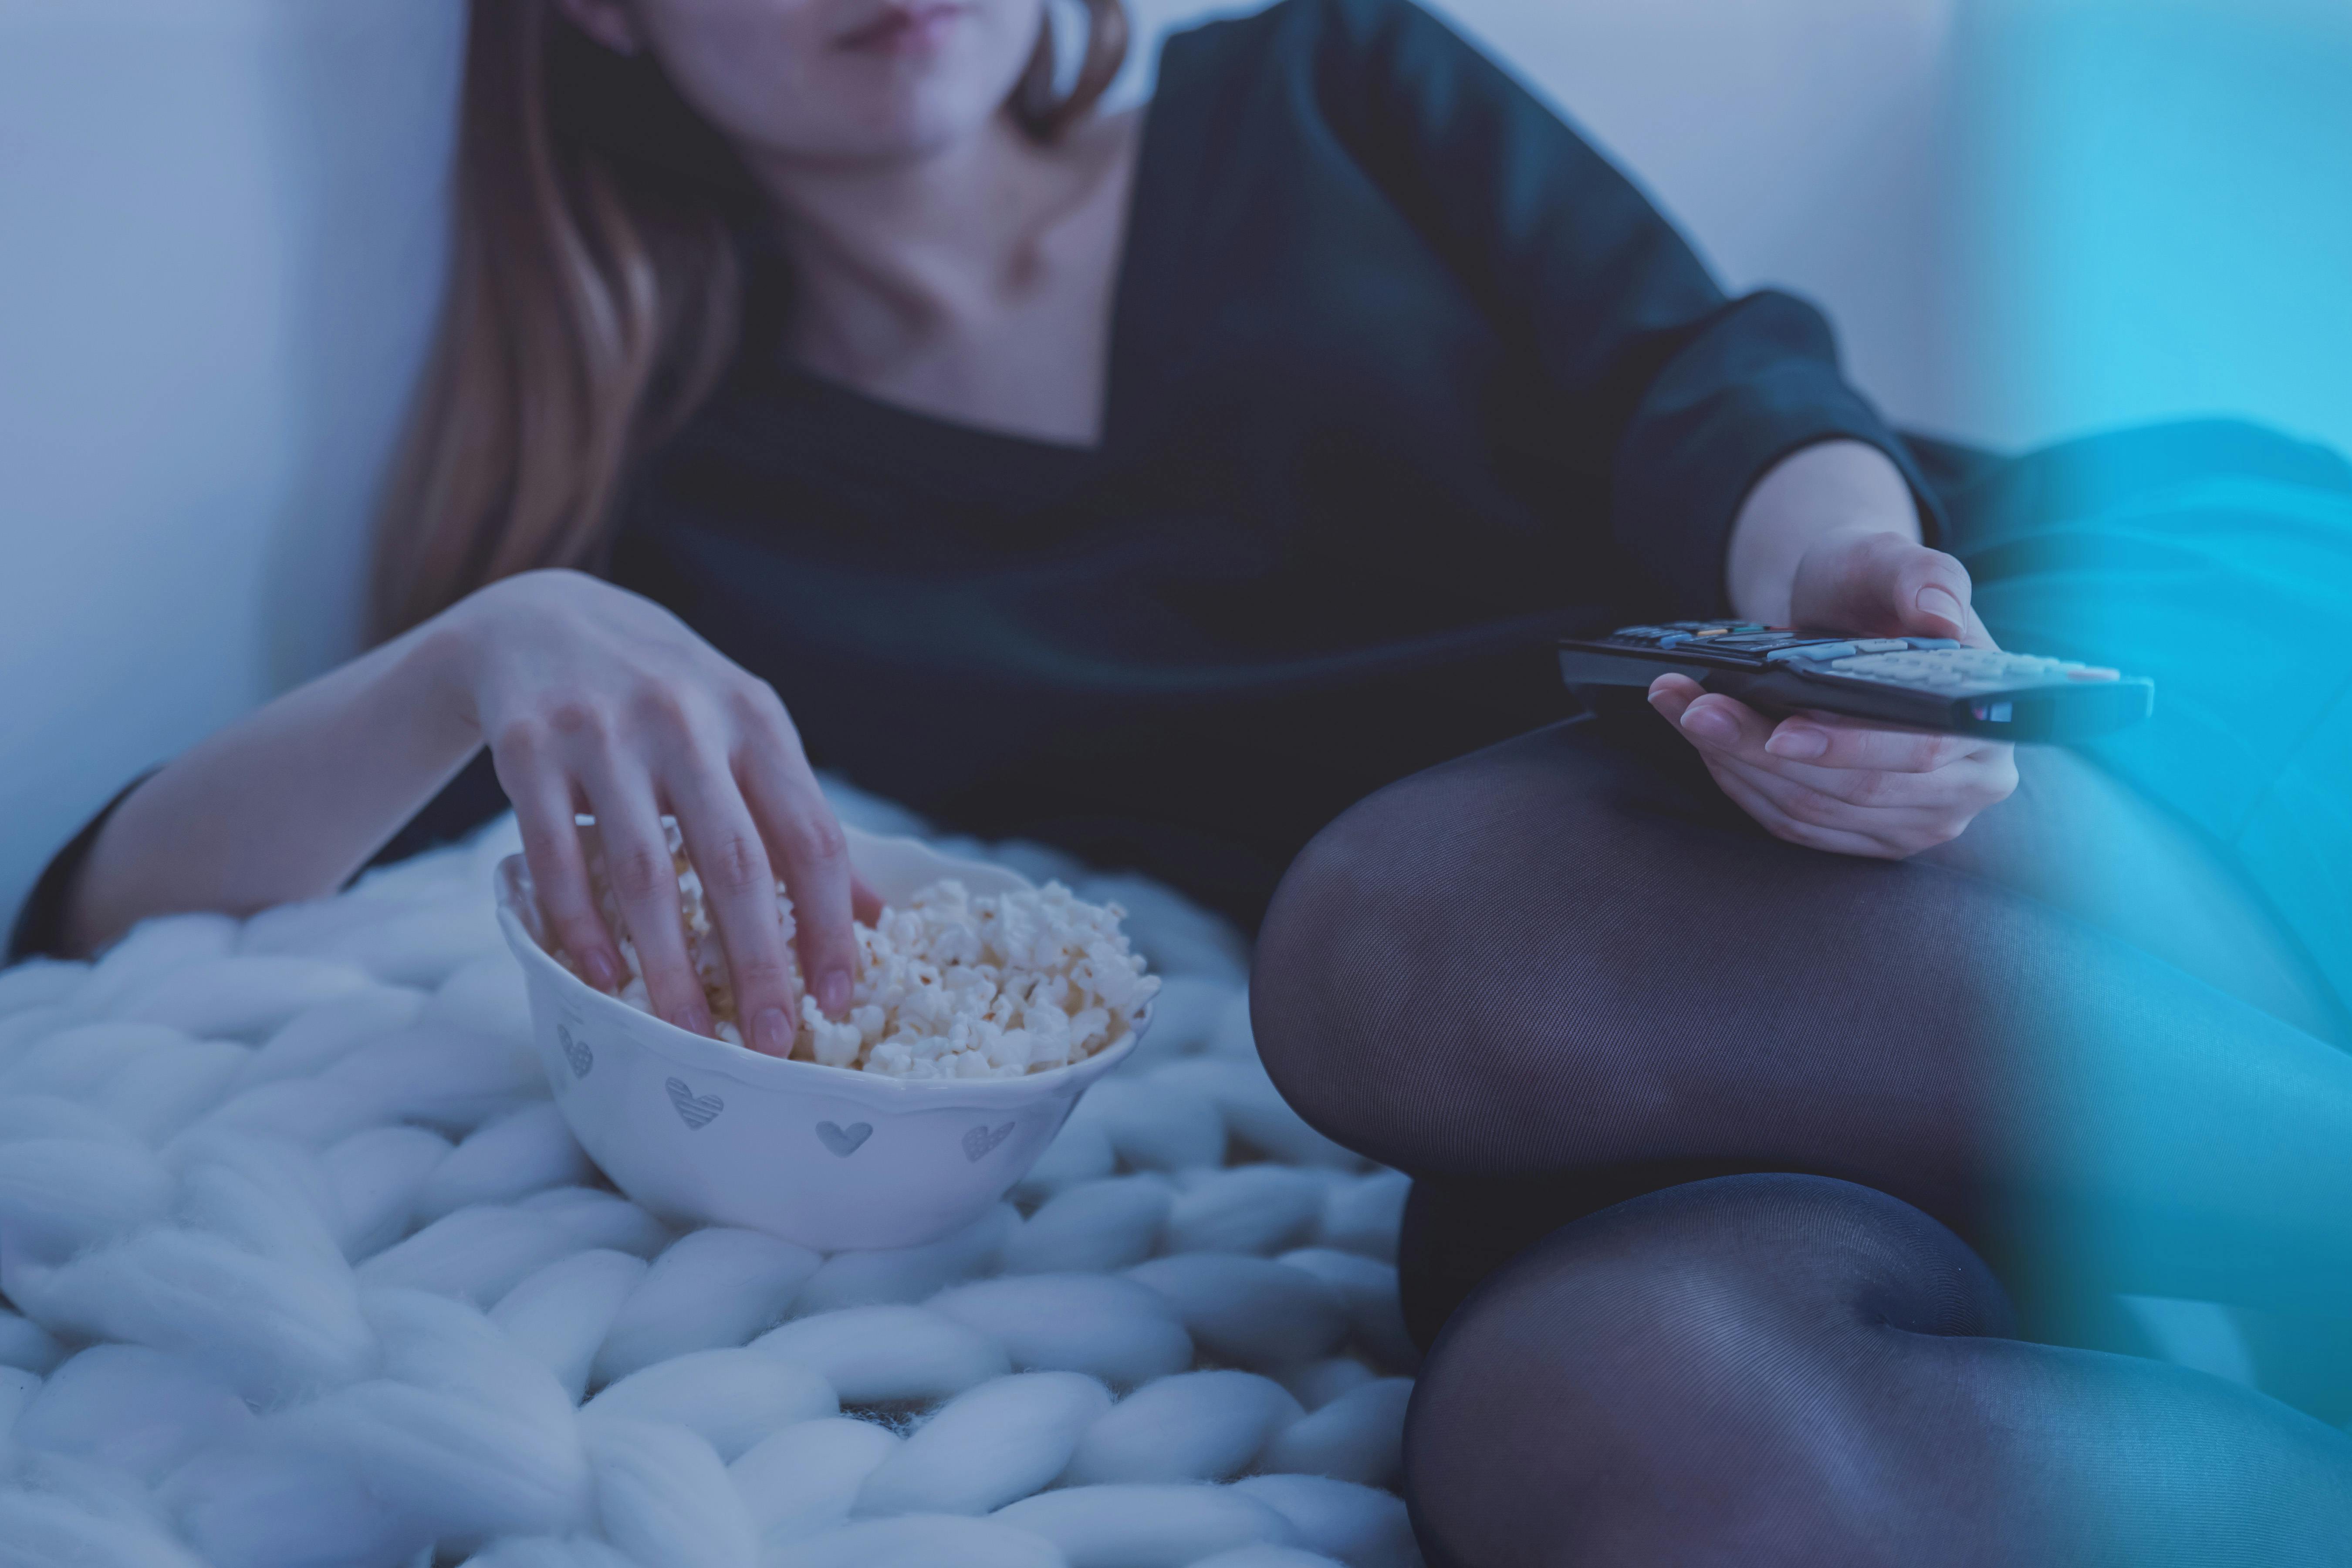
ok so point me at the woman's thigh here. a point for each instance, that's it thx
(1772, 1369)
(1565, 970)
(1553, 929)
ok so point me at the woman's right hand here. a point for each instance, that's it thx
(594, 700)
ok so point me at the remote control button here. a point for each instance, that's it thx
(1883, 645)
(1642, 632)
(2094, 673)
(1674, 639)
(1886, 665)
(1926, 645)
(1814, 651)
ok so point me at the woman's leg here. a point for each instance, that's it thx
(1564, 970)
(1774, 1370)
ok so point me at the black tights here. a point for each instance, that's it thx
(1765, 1197)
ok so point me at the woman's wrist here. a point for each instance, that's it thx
(294, 796)
(1811, 498)
(446, 655)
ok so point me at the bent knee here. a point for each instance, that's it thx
(1431, 934)
(1750, 1359)
(1350, 979)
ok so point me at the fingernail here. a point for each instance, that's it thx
(694, 1019)
(601, 973)
(833, 993)
(771, 1032)
(1936, 601)
(1798, 742)
(1706, 722)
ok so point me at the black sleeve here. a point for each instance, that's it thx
(40, 928)
(465, 803)
(1693, 396)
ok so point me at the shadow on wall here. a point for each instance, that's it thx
(367, 256)
(223, 245)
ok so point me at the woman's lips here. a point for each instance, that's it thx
(905, 30)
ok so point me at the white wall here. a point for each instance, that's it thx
(221, 245)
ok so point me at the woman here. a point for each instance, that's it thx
(1160, 485)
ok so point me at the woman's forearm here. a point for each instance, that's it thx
(291, 801)
(1831, 487)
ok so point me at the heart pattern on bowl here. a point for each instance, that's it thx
(576, 1050)
(844, 1141)
(980, 1140)
(695, 1109)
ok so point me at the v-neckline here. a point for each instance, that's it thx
(1132, 273)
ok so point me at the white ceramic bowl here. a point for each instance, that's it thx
(704, 1133)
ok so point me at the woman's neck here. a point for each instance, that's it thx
(974, 283)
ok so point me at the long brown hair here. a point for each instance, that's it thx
(594, 301)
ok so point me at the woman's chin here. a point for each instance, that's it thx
(920, 120)
(924, 96)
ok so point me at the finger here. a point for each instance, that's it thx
(1812, 819)
(1966, 786)
(1715, 722)
(559, 870)
(1672, 697)
(1970, 776)
(1729, 731)
(813, 855)
(1827, 741)
(1670, 694)
(1899, 829)
(1887, 586)
(643, 878)
(864, 902)
(1933, 597)
(738, 889)
(1742, 793)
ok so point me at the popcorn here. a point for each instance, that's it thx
(949, 986)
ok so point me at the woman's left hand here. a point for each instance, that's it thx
(1842, 784)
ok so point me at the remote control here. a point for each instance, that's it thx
(1925, 683)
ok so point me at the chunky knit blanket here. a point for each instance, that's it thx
(302, 1268)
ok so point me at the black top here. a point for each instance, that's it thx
(1405, 380)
